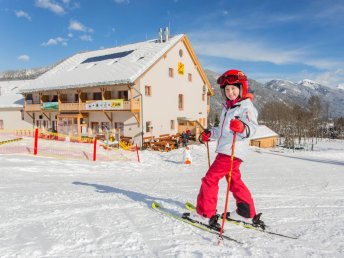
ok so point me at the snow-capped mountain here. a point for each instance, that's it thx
(276, 90)
(285, 91)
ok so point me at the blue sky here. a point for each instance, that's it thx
(267, 39)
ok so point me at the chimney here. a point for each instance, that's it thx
(160, 35)
(166, 34)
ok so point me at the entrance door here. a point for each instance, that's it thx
(95, 127)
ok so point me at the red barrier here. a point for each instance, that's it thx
(35, 147)
(94, 149)
(137, 152)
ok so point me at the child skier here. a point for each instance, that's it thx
(238, 116)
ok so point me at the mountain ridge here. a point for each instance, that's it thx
(284, 91)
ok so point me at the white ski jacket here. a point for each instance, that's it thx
(247, 113)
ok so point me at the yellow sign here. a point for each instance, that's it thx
(180, 68)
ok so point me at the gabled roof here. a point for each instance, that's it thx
(111, 66)
(10, 97)
(263, 132)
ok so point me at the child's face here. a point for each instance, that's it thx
(232, 92)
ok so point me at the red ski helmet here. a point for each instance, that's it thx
(234, 77)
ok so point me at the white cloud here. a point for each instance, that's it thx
(70, 35)
(50, 5)
(218, 44)
(330, 78)
(231, 46)
(24, 58)
(55, 41)
(78, 26)
(86, 38)
(122, 1)
(22, 14)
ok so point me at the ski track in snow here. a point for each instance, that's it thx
(64, 208)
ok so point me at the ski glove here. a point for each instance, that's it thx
(205, 136)
(236, 126)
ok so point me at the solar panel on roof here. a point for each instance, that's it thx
(106, 57)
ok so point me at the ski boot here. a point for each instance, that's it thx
(257, 222)
(213, 222)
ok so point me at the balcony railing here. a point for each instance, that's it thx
(33, 107)
(96, 105)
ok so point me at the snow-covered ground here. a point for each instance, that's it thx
(64, 208)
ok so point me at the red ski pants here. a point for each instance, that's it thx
(207, 197)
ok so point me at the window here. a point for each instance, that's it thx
(190, 77)
(181, 101)
(149, 127)
(54, 126)
(1, 124)
(123, 95)
(203, 97)
(170, 72)
(22, 114)
(173, 127)
(181, 52)
(105, 126)
(148, 90)
(97, 96)
(29, 97)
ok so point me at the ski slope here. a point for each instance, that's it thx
(65, 208)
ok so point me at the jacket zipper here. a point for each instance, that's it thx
(224, 119)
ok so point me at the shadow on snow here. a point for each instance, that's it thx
(135, 196)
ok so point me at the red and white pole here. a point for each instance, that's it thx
(137, 153)
(35, 145)
(94, 149)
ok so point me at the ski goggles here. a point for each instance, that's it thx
(231, 78)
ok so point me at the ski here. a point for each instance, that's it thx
(186, 219)
(244, 224)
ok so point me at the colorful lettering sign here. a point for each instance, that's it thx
(113, 104)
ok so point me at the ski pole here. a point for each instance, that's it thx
(208, 154)
(207, 145)
(228, 187)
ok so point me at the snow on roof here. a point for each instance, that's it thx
(263, 132)
(11, 101)
(111, 66)
(9, 93)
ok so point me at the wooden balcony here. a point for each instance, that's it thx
(33, 107)
(72, 106)
(131, 105)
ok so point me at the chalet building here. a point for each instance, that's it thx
(264, 138)
(142, 90)
(12, 115)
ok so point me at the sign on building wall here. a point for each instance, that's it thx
(114, 104)
(50, 105)
(180, 68)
